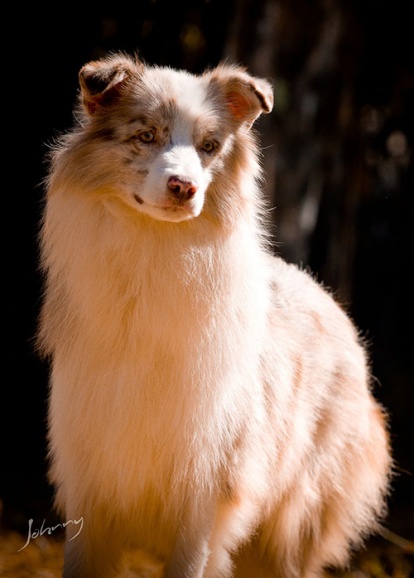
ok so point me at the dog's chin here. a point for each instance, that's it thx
(170, 213)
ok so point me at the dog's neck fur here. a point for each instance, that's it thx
(111, 306)
(112, 260)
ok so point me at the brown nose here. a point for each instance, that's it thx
(182, 187)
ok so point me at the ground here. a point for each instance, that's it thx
(387, 557)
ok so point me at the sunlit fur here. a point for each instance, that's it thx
(210, 405)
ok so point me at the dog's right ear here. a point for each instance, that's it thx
(102, 81)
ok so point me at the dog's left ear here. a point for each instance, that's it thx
(246, 97)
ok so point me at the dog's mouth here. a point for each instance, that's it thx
(174, 207)
(177, 211)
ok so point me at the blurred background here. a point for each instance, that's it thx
(338, 156)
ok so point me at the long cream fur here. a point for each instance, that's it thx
(210, 406)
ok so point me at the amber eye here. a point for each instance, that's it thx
(146, 136)
(208, 146)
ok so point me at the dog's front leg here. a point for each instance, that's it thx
(190, 557)
(91, 558)
(191, 550)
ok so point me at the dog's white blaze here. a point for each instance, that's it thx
(179, 157)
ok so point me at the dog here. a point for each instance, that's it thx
(211, 411)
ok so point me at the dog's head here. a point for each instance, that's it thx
(162, 138)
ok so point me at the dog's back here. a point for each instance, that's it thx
(208, 401)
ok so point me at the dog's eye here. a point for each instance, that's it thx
(208, 146)
(147, 136)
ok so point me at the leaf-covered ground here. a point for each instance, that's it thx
(388, 557)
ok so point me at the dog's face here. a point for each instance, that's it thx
(164, 135)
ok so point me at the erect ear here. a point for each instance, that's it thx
(101, 81)
(245, 96)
